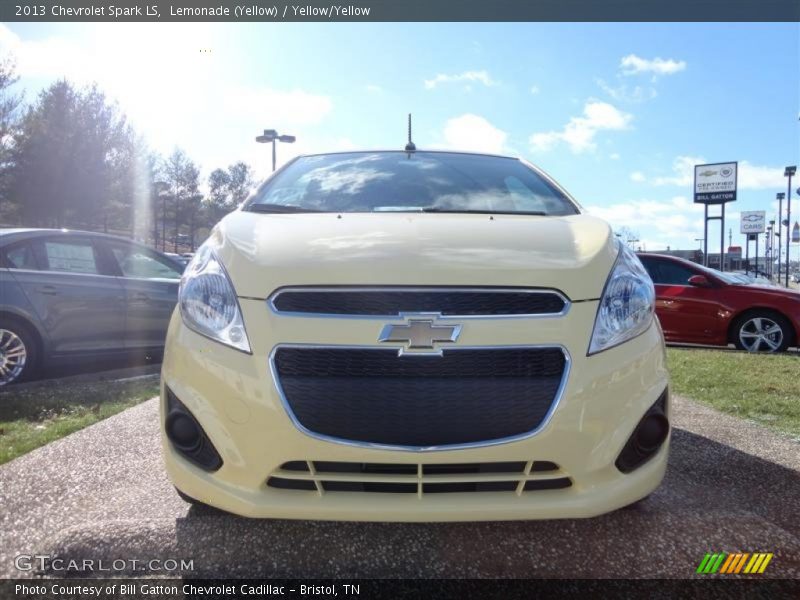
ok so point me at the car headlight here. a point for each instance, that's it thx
(627, 305)
(208, 301)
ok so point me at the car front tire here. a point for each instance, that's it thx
(19, 352)
(762, 331)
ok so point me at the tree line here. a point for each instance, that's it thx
(71, 159)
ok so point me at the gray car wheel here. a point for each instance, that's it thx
(762, 332)
(19, 352)
(13, 355)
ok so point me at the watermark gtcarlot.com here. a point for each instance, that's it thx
(44, 563)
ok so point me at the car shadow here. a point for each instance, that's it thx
(88, 366)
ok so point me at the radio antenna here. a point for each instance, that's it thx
(410, 147)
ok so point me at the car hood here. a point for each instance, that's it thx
(263, 252)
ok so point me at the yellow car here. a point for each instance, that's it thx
(414, 336)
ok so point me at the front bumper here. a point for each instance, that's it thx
(234, 398)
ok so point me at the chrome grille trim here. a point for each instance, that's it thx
(436, 289)
(375, 446)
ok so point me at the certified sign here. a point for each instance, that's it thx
(752, 221)
(716, 183)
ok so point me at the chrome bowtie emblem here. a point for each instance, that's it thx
(420, 334)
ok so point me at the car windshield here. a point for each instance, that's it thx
(410, 182)
(729, 278)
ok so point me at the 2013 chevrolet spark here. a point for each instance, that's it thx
(414, 336)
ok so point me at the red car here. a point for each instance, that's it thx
(698, 305)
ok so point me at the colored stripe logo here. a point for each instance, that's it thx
(733, 563)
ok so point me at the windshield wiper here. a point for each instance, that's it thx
(280, 208)
(436, 209)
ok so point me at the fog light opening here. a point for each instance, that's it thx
(183, 431)
(187, 436)
(651, 433)
(647, 438)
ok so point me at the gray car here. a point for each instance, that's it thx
(72, 294)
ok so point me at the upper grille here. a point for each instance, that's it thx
(392, 302)
(375, 396)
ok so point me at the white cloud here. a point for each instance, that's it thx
(579, 132)
(683, 171)
(614, 156)
(627, 93)
(637, 176)
(295, 107)
(46, 57)
(474, 133)
(171, 92)
(756, 177)
(535, 90)
(373, 88)
(465, 77)
(750, 176)
(675, 222)
(635, 65)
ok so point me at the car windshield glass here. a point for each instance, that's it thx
(728, 278)
(410, 182)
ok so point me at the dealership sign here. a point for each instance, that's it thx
(715, 183)
(753, 221)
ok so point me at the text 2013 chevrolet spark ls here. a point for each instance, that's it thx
(414, 336)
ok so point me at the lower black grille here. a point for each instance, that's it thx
(461, 397)
(412, 478)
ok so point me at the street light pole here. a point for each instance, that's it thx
(779, 197)
(756, 269)
(797, 240)
(788, 172)
(271, 136)
(768, 245)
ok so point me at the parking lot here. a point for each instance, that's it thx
(102, 493)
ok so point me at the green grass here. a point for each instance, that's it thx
(760, 387)
(32, 416)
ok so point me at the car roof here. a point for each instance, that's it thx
(15, 230)
(675, 259)
(666, 256)
(8, 235)
(417, 151)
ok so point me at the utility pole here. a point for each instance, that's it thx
(788, 172)
(779, 197)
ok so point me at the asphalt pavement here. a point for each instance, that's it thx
(102, 493)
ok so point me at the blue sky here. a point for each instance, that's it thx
(617, 113)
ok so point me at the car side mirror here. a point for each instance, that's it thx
(699, 281)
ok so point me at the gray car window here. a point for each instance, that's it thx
(138, 262)
(21, 257)
(71, 257)
(670, 273)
